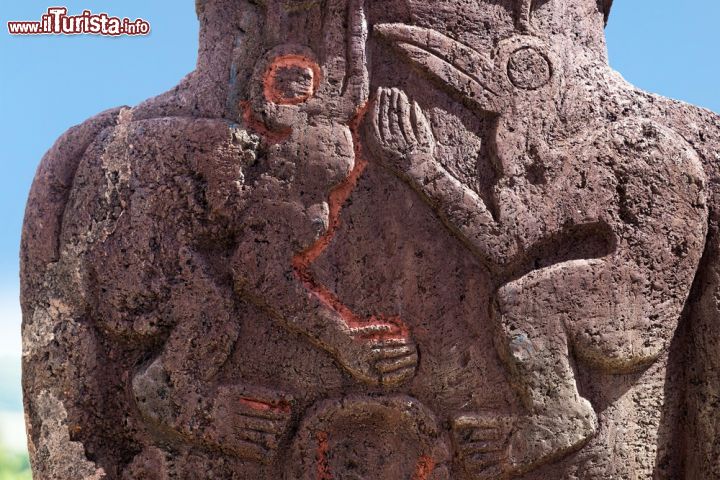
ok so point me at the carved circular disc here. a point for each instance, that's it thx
(529, 69)
(364, 438)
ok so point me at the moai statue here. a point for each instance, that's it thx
(379, 239)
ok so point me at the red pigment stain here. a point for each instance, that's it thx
(396, 328)
(424, 468)
(259, 406)
(302, 261)
(259, 127)
(323, 446)
(274, 94)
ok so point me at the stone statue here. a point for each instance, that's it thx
(379, 239)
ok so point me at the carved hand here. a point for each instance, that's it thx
(400, 136)
(482, 445)
(378, 354)
(252, 422)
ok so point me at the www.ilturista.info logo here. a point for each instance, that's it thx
(57, 22)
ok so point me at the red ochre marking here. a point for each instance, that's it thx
(302, 261)
(323, 446)
(424, 468)
(257, 126)
(338, 196)
(274, 94)
(260, 406)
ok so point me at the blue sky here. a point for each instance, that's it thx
(48, 84)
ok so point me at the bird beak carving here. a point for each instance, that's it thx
(464, 71)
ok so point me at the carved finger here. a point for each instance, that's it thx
(490, 472)
(375, 117)
(384, 102)
(384, 351)
(265, 440)
(405, 119)
(249, 450)
(484, 460)
(266, 414)
(395, 97)
(397, 137)
(481, 422)
(372, 329)
(262, 425)
(421, 125)
(376, 335)
(480, 461)
(392, 342)
(393, 364)
(482, 434)
(397, 377)
(483, 447)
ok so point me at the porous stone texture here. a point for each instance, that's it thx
(380, 239)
